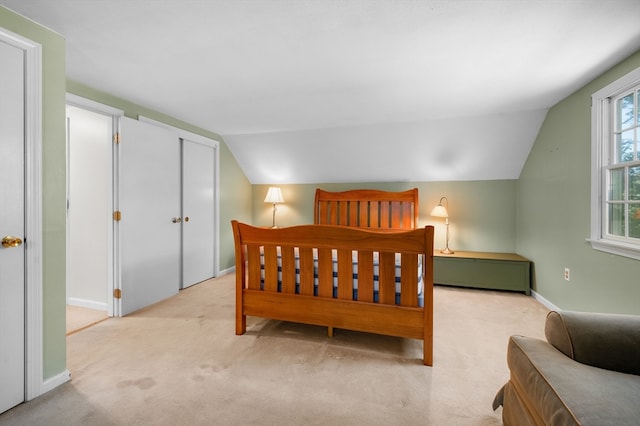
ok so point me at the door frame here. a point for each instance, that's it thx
(35, 384)
(116, 115)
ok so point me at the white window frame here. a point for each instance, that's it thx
(601, 122)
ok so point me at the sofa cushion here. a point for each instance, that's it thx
(606, 341)
(556, 390)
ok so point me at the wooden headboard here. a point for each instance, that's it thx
(367, 208)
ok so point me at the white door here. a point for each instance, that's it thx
(198, 212)
(12, 256)
(149, 202)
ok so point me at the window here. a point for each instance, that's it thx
(615, 173)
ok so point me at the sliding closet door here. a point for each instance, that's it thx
(198, 212)
(149, 202)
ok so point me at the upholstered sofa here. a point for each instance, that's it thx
(586, 373)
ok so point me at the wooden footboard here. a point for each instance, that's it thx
(339, 277)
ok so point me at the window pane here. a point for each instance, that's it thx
(634, 221)
(624, 146)
(634, 183)
(616, 219)
(624, 110)
(616, 185)
(638, 107)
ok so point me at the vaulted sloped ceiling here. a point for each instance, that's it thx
(349, 90)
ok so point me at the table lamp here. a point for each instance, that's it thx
(274, 196)
(441, 211)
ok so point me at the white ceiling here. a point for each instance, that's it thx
(310, 91)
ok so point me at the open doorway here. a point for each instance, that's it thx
(89, 210)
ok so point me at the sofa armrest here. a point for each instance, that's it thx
(609, 341)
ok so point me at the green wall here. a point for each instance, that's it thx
(235, 189)
(53, 187)
(554, 193)
(482, 214)
(235, 203)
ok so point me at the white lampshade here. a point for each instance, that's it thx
(440, 210)
(274, 195)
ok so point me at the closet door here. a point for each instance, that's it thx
(198, 182)
(149, 202)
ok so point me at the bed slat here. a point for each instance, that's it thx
(365, 275)
(387, 278)
(288, 269)
(407, 219)
(409, 283)
(253, 270)
(270, 268)
(306, 271)
(385, 218)
(363, 220)
(322, 213)
(343, 213)
(333, 212)
(345, 275)
(374, 215)
(325, 273)
(353, 214)
(397, 219)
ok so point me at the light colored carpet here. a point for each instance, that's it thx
(79, 318)
(180, 363)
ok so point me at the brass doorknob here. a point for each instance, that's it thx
(176, 220)
(10, 241)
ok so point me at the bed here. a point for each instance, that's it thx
(361, 266)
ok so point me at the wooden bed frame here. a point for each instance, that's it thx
(288, 273)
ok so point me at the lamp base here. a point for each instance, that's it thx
(447, 251)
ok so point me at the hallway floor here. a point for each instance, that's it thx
(79, 318)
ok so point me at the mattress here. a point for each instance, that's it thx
(354, 263)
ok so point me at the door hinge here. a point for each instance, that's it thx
(117, 215)
(116, 138)
(117, 293)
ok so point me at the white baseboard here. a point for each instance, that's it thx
(90, 304)
(544, 301)
(54, 382)
(227, 271)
